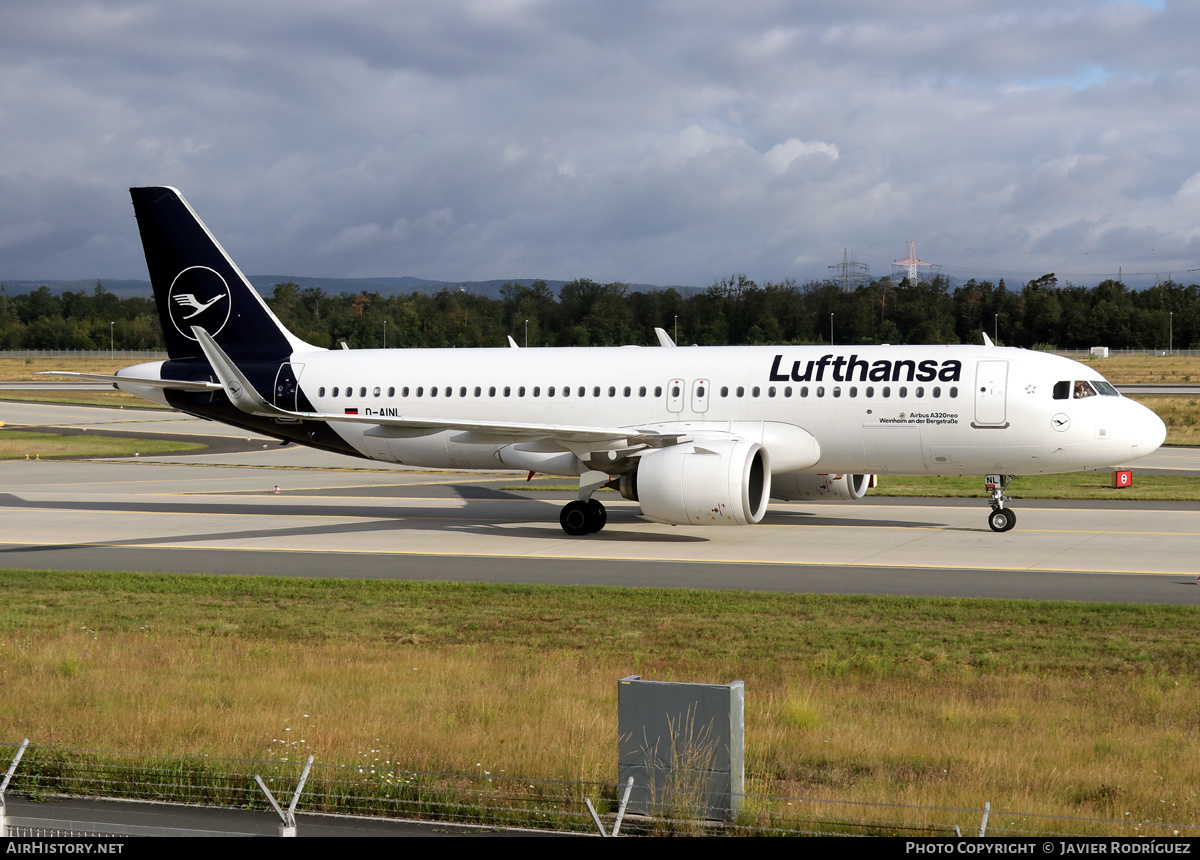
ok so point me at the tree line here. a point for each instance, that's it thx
(733, 310)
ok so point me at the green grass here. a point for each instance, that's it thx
(25, 444)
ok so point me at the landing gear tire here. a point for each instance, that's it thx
(576, 518)
(599, 515)
(1002, 519)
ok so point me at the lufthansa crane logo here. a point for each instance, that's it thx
(198, 296)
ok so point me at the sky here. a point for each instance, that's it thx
(643, 142)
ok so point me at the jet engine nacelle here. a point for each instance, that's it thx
(797, 486)
(719, 483)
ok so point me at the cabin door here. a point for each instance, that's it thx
(991, 385)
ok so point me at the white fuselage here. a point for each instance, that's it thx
(871, 409)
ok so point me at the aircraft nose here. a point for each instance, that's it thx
(1144, 430)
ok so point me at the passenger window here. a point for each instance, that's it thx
(658, 391)
(404, 392)
(804, 391)
(674, 390)
(700, 391)
(391, 391)
(870, 391)
(612, 391)
(335, 392)
(462, 392)
(741, 392)
(837, 391)
(478, 391)
(321, 391)
(853, 391)
(771, 391)
(820, 391)
(537, 390)
(595, 391)
(724, 390)
(903, 392)
(521, 391)
(628, 391)
(642, 391)
(583, 391)
(919, 392)
(362, 392)
(887, 392)
(787, 391)
(937, 392)
(549, 391)
(420, 390)
(433, 391)
(378, 390)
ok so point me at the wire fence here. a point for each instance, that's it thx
(146, 354)
(385, 790)
(1114, 351)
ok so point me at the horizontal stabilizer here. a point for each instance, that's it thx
(166, 384)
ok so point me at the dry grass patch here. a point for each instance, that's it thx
(1147, 369)
(27, 369)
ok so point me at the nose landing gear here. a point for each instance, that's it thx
(1001, 519)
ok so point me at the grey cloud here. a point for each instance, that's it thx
(651, 141)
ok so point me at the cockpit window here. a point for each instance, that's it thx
(1062, 390)
(1105, 388)
(1083, 388)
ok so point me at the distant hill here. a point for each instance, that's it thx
(333, 286)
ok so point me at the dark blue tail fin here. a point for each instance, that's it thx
(196, 284)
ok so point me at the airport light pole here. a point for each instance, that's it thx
(111, 343)
(527, 334)
(831, 329)
(385, 334)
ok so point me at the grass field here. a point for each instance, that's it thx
(28, 445)
(1056, 708)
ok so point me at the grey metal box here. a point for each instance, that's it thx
(684, 746)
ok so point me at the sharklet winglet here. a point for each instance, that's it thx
(238, 388)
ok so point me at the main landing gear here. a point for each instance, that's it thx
(1001, 519)
(585, 515)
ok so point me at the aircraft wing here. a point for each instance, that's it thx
(565, 432)
(171, 384)
(244, 396)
